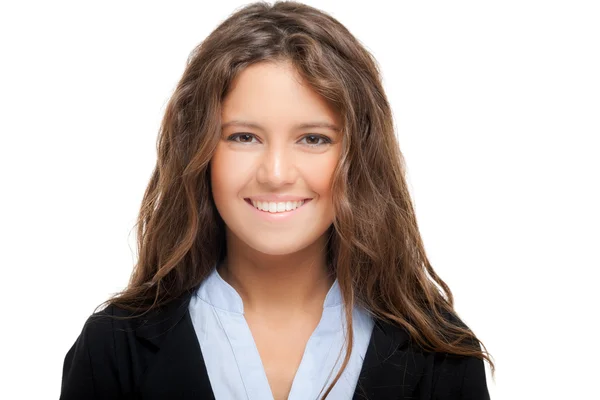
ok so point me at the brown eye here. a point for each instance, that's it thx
(312, 140)
(316, 140)
(241, 137)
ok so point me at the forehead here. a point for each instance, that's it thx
(274, 95)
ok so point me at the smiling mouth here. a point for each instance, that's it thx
(277, 207)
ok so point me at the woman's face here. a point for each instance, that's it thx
(267, 159)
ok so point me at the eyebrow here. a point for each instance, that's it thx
(307, 125)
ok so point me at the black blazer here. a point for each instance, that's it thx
(158, 357)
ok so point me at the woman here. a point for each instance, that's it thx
(279, 255)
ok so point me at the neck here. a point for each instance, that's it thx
(281, 284)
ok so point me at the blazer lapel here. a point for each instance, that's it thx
(177, 370)
(391, 369)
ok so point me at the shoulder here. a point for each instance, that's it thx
(114, 347)
(107, 358)
(437, 374)
(154, 321)
(90, 364)
(462, 376)
(100, 327)
(101, 330)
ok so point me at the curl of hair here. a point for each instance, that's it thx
(375, 247)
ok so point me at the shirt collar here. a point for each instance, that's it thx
(220, 294)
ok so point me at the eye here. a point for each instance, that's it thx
(243, 137)
(313, 140)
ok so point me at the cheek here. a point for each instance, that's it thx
(318, 173)
(223, 174)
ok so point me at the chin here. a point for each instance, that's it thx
(277, 249)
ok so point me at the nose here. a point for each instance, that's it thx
(277, 166)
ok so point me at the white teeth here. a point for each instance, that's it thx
(273, 207)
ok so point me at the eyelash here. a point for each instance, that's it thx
(325, 139)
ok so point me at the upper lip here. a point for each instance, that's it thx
(278, 198)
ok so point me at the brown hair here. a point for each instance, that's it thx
(375, 246)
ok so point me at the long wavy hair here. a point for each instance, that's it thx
(375, 248)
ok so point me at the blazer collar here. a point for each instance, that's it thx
(153, 327)
(177, 369)
(392, 369)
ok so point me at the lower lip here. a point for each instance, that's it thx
(279, 215)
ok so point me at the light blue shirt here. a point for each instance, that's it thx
(232, 360)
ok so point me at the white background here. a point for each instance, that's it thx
(497, 109)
